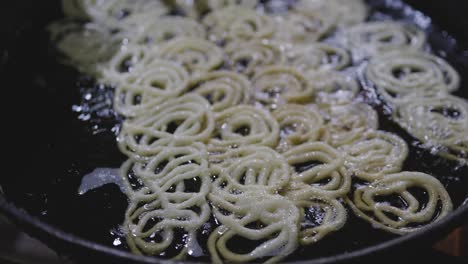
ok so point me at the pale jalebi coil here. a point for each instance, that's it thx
(347, 124)
(312, 58)
(345, 12)
(249, 57)
(223, 89)
(278, 85)
(184, 119)
(437, 122)
(269, 221)
(298, 125)
(398, 74)
(333, 88)
(376, 155)
(238, 23)
(155, 81)
(374, 38)
(197, 55)
(320, 170)
(409, 214)
(125, 60)
(244, 125)
(253, 167)
(300, 28)
(164, 29)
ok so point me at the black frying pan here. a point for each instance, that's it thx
(51, 145)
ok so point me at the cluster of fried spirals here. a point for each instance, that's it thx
(240, 112)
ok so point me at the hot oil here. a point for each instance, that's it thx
(86, 141)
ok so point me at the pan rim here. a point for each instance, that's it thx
(21, 217)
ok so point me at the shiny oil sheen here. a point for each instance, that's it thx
(76, 130)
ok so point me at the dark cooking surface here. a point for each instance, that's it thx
(18, 248)
(69, 130)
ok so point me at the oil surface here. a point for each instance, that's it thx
(84, 140)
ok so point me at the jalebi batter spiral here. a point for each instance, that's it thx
(246, 126)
